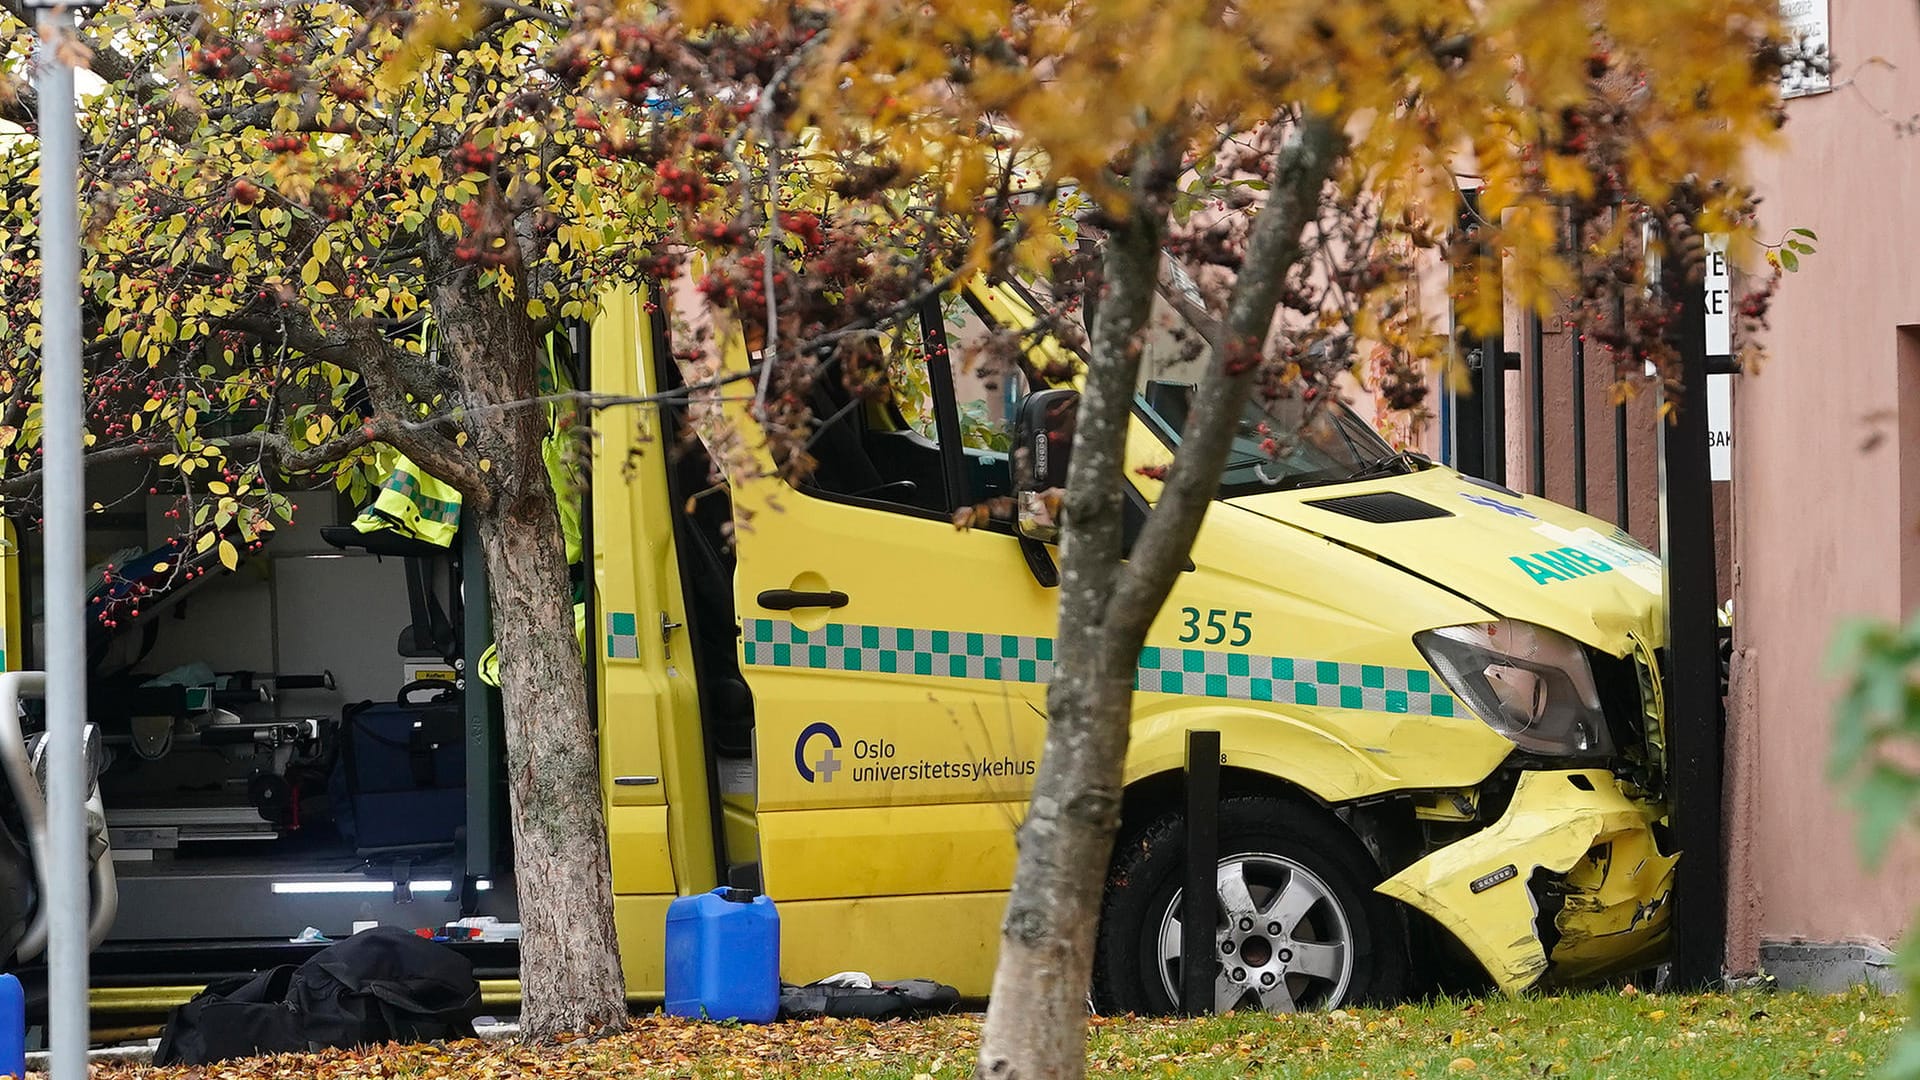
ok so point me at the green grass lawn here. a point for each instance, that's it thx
(1628, 1036)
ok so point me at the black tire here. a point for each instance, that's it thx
(1270, 839)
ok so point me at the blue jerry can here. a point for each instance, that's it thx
(723, 956)
(13, 1028)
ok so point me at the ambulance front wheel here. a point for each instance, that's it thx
(1297, 926)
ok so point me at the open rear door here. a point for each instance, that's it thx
(654, 775)
(10, 640)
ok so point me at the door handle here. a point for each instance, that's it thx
(788, 599)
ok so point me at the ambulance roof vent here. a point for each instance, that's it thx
(1381, 507)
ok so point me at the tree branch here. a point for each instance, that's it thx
(1274, 247)
(526, 11)
(275, 447)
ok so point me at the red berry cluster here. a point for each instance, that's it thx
(742, 281)
(388, 186)
(335, 193)
(681, 185)
(729, 234)
(286, 143)
(475, 159)
(839, 263)
(663, 266)
(481, 244)
(805, 225)
(633, 80)
(215, 60)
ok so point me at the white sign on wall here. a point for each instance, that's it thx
(1719, 305)
(1720, 426)
(1719, 334)
(1806, 25)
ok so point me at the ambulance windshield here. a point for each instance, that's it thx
(1285, 442)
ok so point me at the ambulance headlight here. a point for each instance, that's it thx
(1527, 682)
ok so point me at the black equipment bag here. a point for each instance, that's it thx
(881, 1001)
(377, 986)
(404, 766)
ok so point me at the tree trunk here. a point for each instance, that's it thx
(570, 973)
(1037, 1015)
(1036, 1019)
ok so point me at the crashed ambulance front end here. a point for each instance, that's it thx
(1556, 867)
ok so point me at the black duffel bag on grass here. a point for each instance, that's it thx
(904, 999)
(381, 985)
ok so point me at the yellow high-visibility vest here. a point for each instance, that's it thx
(412, 503)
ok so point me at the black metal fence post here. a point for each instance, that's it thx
(1537, 377)
(1199, 901)
(1469, 437)
(1493, 407)
(1621, 496)
(1693, 664)
(1578, 386)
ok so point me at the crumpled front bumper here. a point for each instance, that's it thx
(1597, 854)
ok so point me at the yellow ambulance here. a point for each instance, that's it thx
(1439, 705)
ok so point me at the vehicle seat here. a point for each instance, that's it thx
(434, 631)
(841, 464)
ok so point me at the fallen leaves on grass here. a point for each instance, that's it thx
(1638, 1035)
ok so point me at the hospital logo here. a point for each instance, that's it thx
(816, 758)
(1495, 504)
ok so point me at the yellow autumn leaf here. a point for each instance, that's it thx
(229, 555)
(1567, 175)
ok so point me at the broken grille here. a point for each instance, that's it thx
(1630, 696)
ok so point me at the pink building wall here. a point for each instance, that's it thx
(1826, 489)
(1822, 520)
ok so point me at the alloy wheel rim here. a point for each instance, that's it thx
(1282, 940)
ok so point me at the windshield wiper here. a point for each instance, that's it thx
(1399, 464)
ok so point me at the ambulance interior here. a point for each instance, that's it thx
(249, 797)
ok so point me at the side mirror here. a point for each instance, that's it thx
(1042, 441)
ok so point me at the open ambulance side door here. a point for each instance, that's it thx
(898, 668)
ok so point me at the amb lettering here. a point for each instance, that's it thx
(1560, 564)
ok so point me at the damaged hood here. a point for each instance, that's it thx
(1517, 556)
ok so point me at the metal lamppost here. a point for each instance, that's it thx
(62, 414)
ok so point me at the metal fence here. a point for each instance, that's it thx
(1674, 483)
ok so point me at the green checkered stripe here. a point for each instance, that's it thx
(407, 485)
(1014, 658)
(623, 635)
(1292, 680)
(899, 650)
